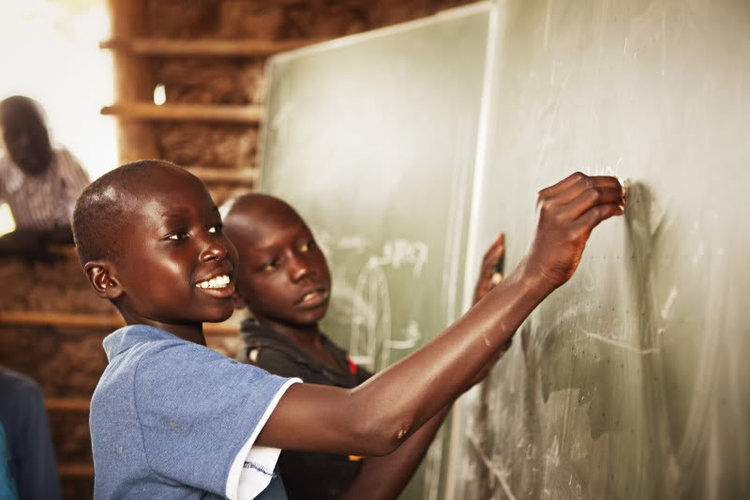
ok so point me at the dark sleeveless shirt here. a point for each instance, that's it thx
(306, 475)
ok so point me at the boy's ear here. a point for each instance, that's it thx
(102, 278)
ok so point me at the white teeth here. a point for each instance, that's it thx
(215, 282)
(309, 296)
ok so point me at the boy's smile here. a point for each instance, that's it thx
(177, 267)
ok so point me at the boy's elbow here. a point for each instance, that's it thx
(383, 434)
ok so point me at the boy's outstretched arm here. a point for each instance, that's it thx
(385, 477)
(377, 416)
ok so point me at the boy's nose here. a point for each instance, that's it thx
(213, 250)
(298, 269)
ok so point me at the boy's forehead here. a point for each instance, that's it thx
(159, 185)
(272, 214)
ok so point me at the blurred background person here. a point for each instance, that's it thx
(23, 417)
(39, 182)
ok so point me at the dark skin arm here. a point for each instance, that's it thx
(33, 244)
(376, 417)
(386, 477)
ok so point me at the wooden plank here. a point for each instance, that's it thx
(206, 47)
(185, 112)
(242, 176)
(65, 320)
(108, 321)
(76, 470)
(133, 81)
(67, 404)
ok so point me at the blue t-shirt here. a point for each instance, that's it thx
(173, 419)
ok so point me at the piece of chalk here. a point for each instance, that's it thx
(496, 278)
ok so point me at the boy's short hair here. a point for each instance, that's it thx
(100, 212)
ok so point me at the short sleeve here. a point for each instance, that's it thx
(200, 414)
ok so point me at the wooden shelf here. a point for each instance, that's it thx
(209, 47)
(186, 112)
(67, 404)
(65, 320)
(76, 470)
(240, 176)
(103, 321)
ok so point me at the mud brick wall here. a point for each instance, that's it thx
(66, 362)
(238, 81)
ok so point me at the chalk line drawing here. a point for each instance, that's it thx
(499, 470)
(370, 340)
(371, 318)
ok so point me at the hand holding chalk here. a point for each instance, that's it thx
(567, 213)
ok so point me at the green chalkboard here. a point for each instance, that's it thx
(373, 139)
(631, 380)
(410, 148)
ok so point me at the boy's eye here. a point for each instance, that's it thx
(307, 246)
(180, 235)
(271, 265)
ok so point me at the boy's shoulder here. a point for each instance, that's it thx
(142, 354)
(163, 400)
(133, 336)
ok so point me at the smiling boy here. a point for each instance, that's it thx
(173, 419)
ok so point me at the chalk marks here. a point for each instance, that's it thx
(666, 311)
(494, 465)
(370, 339)
(617, 343)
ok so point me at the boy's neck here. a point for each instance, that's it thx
(190, 332)
(305, 335)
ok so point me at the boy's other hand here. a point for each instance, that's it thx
(488, 276)
(567, 213)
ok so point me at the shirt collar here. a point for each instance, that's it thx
(129, 336)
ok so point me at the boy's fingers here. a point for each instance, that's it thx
(564, 184)
(494, 252)
(596, 214)
(582, 184)
(609, 195)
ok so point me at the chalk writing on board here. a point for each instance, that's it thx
(371, 338)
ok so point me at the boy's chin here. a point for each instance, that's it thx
(219, 315)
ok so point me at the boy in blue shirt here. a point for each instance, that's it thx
(172, 419)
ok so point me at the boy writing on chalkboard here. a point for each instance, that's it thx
(285, 282)
(172, 419)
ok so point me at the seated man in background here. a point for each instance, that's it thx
(40, 183)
